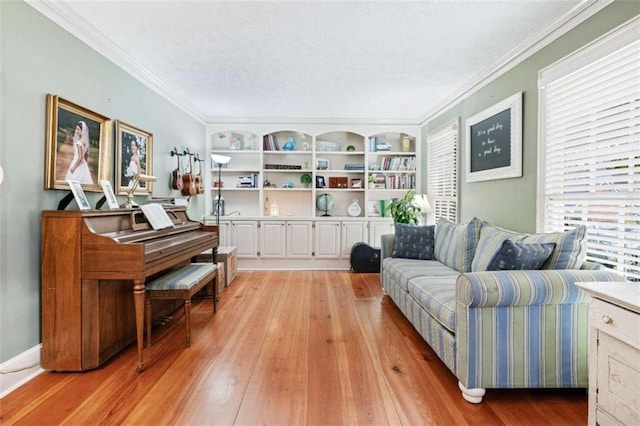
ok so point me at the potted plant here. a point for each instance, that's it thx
(404, 210)
(305, 180)
(372, 181)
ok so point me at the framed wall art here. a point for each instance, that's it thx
(494, 141)
(134, 155)
(78, 146)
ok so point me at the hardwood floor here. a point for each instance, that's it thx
(290, 348)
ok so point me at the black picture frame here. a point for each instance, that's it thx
(320, 182)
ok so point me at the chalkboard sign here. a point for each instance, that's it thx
(494, 141)
(491, 142)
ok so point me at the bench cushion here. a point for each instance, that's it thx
(182, 278)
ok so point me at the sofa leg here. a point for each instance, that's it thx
(474, 395)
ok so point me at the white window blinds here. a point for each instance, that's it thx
(590, 148)
(442, 171)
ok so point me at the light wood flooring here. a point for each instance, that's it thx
(285, 348)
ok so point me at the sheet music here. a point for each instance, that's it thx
(157, 216)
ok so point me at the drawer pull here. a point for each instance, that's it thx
(606, 319)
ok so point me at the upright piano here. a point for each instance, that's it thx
(94, 267)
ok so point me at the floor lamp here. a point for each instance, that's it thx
(219, 160)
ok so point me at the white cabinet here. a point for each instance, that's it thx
(223, 233)
(272, 239)
(299, 239)
(351, 233)
(377, 229)
(327, 239)
(244, 235)
(614, 352)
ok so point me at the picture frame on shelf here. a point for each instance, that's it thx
(78, 146)
(494, 141)
(323, 164)
(320, 182)
(79, 195)
(356, 183)
(373, 208)
(134, 155)
(107, 189)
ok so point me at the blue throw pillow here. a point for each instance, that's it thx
(413, 242)
(520, 256)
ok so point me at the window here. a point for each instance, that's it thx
(442, 171)
(589, 155)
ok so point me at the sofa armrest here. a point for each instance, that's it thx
(386, 248)
(523, 329)
(522, 288)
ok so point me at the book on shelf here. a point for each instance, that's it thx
(270, 143)
(354, 166)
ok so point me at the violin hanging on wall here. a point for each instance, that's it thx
(188, 181)
(198, 178)
(176, 175)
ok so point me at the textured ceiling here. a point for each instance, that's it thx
(393, 60)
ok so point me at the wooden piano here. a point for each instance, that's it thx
(94, 267)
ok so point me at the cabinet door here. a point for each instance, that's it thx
(244, 235)
(352, 232)
(327, 239)
(377, 229)
(299, 239)
(223, 234)
(272, 239)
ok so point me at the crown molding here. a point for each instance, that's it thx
(536, 42)
(314, 120)
(68, 20)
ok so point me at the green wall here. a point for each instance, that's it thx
(39, 57)
(511, 203)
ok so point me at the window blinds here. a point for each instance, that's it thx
(442, 171)
(590, 138)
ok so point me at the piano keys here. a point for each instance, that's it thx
(94, 266)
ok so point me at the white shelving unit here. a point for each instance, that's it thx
(338, 161)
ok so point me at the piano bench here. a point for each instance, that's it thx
(181, 283)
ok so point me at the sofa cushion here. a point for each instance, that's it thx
(413, 242)
(520, 256)
(403, 270)
(437, 295)
(455, 244)
(569, 253)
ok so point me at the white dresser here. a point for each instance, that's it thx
(614, 353)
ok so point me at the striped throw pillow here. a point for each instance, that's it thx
(455, 244)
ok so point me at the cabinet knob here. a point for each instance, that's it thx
(606, 319)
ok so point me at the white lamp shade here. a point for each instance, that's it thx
(220, 159)
(422, 201)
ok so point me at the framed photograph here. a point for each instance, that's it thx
(78, 146)
(356, 183)
(79, 195)
(373, 208)
(320, 182)
(494, 141)
(112, 202)
(323, 164)
(134, 155)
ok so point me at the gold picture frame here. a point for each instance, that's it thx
(78, 146)
(127, 166)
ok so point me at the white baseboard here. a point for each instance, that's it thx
(11, 379)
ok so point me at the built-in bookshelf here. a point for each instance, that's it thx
(291, 169)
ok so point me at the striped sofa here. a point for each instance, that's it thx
(497, 328)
